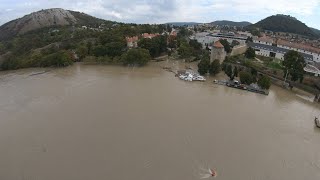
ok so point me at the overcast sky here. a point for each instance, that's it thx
(161, 11)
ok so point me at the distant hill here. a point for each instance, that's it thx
(231, 23)
(183, 23)
(45, 18)
(284, 23)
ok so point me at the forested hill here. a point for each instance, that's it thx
(46, 18)
(317, 31)
(284, 23)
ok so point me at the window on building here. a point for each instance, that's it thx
(272, 54)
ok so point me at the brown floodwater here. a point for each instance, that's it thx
(88, 122)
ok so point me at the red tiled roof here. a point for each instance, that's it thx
(132, 39)
(147, 35)
(218, 44)
(173, 33)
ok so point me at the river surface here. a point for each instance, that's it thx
(88, 122)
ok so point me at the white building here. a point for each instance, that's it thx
(206, 39)
(268, 48)
(203, 38)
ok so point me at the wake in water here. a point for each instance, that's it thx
(207, 173)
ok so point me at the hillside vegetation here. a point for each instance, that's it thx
(59, 44)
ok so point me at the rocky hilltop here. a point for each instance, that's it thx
(42, 19)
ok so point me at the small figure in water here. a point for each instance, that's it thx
(213, 173)
(208, 174)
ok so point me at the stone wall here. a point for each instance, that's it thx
(239, 50)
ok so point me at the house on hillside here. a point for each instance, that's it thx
(150, 36)
(132, 42)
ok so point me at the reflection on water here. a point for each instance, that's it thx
(109, 122)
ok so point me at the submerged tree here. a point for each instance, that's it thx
(136, 57)
(246, 78)
(264, 82)
(294, 64)
(203, 66)
(215, 67)
(229, 72)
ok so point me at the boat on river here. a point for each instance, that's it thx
(198, 78)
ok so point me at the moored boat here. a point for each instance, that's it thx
(198, 78)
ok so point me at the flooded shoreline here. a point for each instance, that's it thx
(98, 122)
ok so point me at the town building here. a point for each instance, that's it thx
(203, 38)
(132, 42)
(207, 39)
(150, 36)
(217, 52)
(268, 47)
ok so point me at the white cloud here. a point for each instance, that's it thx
(301, 7)
(158, 11)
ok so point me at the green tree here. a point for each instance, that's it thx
(156, 45)
(114, 48)
(294, 63)
(172, 42)
(99, 50)
(82, 51)
(229, 72)
(264, 82)
(89, 47)
(235, 71)
(226, 45)
(58, 59)
(245, 77)
(104, 59)
(137, 56)
(203, 66)
(185, 51)
(215, 67)
(250, 53)
(249, 39)
(223, 66)
(235, 43)
(183, 32)
(254, 74)
(195, 44)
